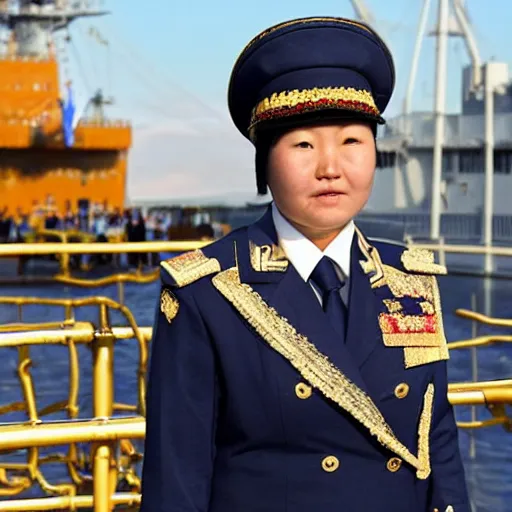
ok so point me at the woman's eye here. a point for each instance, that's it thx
(351, 140)
(304, 145)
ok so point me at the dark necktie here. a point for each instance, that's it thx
(326, 279)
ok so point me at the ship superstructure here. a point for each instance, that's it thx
(47, 147)
(449, 174)
(404, 181)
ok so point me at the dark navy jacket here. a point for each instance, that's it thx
(254, 404)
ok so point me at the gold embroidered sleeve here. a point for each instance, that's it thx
(189, 267)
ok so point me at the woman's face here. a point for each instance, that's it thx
(321, 176)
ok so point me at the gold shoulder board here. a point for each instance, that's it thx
(190, 267)
(422, 261)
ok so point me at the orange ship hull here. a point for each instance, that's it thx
(28, 176)
(34, 160)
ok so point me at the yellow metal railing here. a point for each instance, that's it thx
(465, 249)
(112, 458)
(494, 394)
(17, 335)
(106, 434)
(31, 249)
(63, 249)
(98, 248)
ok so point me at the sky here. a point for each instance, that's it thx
(167, 65)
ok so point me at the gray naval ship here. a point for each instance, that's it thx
(448, 175)
(403, 184)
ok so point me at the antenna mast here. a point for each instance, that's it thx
(363, 12)
(33, 22)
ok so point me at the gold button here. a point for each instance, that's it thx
(402, 390)
(303, 391)
(330, 464)
(394, 464)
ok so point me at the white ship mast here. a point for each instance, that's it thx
(362, 12)
(459, 27)
(483, 79)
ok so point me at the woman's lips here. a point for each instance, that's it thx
(328, 197)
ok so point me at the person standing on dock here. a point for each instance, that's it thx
(296, 364)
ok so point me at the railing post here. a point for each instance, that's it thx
(103, 393)
(120, 292)
(474, 377)
(64, 258)
(442, 253)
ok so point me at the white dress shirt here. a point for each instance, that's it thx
(304, 255)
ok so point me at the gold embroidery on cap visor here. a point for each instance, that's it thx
(290, 103)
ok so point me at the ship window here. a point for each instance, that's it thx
(471, 161)
(386, 159)
(448, 162)
(502, 162)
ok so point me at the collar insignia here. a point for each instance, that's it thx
(268, 258)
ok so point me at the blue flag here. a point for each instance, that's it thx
(68, 114)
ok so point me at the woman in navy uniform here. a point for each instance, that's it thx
(298, 366)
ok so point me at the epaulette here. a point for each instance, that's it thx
(421, 261)
(189, 267)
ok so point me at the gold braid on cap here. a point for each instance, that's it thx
(289, 103)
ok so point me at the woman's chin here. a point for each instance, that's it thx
(326, 224)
